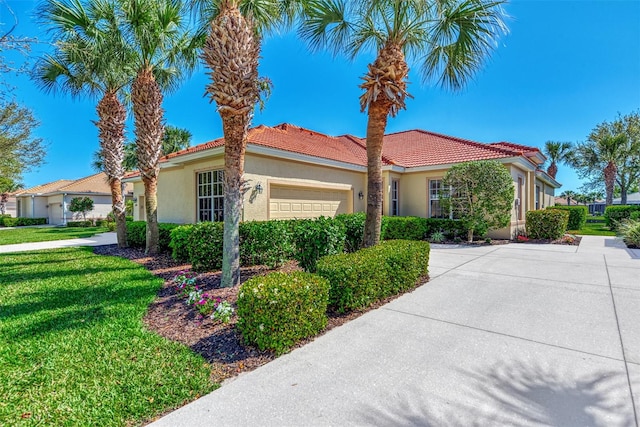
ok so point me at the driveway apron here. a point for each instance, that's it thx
(518, 334)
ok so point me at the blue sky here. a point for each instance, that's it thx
(564, 67)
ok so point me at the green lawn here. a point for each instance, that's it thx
(30, 234)
(594, 229)
(73, 347)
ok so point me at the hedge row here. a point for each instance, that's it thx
(137, 234)
(8, 221)
(277, 310)
(361, 278)
(615, 214)
(272, 243)
(577, 215)
(547, 224)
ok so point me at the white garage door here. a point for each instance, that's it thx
(305, 202)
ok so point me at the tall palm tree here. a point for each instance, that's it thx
(232, 53)
(165, 53)
(556, 152)
(450, 38)
(604, 153)
(92, 59)
(569, 195)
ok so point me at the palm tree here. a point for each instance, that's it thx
(91, 59)
(556, 152)
(569, 195)
(232, 53)
(449, 38)
(165, 53)
(604, 153)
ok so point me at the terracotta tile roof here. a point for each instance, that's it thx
(412, 148)
(416, 148)
(45, 188)
(96, 183)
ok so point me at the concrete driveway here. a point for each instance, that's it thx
(518, 335)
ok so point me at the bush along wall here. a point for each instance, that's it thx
(547, 224)
(137, 234)
(577, 215)
(361, 278)
(315, 238)
(277, 310)
(7, 221)
(618, 213)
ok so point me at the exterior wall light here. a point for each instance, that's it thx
(259, 188)
(361, 195)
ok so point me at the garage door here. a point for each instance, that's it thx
(304, 202)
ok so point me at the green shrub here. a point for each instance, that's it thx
(205, 246)
(128, 218)
(267, 243)
(137, 234)
(315, 238)
(101, 223)
(618, 213)
(7, 221)
(403, 227)
(277, 310)
(629, 230)
(577, 216)
(179, 242)
(361, 278)
(451, 228)
(547, 224)
(72, 224)
(354, 230)
(635, 215)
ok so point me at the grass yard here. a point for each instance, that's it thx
(73, 347)
(45, 234)
(594, 229)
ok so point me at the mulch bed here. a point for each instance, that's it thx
(219, 343)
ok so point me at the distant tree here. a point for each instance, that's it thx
(556, 152)
(7, 186)
(611, 155)
(81, 205)
(9, 42)
(20, 151)
(569, 195)
(174, 139)
(480, 194)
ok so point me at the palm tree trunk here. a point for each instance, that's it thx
(552, 170)
(235, 129)
(377, 123)
(609, 181)
(111, 123)
(148, 114)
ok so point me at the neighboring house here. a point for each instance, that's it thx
(597, 207)
(632, 199)
(292, 172)
(10, 205)
(52, 200)
(562, 201)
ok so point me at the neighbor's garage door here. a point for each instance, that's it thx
(304, 202)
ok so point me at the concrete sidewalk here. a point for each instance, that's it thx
(109, 238)
(517, 335)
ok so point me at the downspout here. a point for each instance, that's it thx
(33, 206)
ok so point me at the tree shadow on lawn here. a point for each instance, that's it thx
(516, 394)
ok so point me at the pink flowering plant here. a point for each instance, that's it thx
(207, 305)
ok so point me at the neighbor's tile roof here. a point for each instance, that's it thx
(408, 149)
(96, 183)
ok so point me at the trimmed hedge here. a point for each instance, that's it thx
(21, 222)
(361, 278)
(87, 223)
(205, 246)
(277, 310)
(354, 230)
(618, 213)
(267, 243)
(403, 227)
(577, 216)
(179, 243)
(137, 234)
(547, 223)
(315, 238)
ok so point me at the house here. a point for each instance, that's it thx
(51, 200)
(632, 199)
(292, 172)
(562, 201)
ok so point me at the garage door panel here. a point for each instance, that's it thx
(295, 202)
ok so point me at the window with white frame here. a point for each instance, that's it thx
(210, 196)
(435, 206)
(537, 197)
(395, 198)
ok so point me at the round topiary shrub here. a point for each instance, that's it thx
(277, 310)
